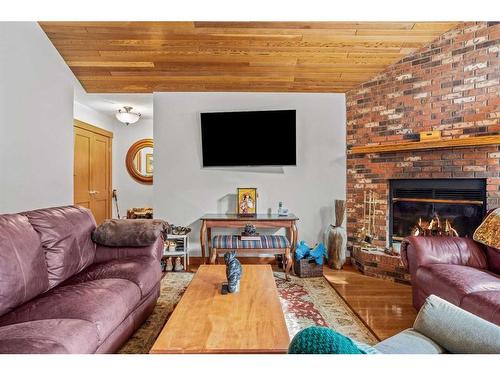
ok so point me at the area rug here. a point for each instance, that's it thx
(305, 302)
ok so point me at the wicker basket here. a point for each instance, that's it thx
(307, 268)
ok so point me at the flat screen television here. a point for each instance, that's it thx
(256, 138)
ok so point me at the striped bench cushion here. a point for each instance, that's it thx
(234, 242)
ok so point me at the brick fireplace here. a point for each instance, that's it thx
(451, 85)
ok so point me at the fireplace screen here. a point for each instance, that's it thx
(444, 207)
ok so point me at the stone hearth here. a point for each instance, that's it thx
(379, 264)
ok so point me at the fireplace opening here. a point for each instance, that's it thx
(435, 207)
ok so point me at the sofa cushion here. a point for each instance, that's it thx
(409, 341)
(106, 303)
(453, 282)
(104, 253)
(23, 272)
(49, 336)
(143, 271)
(484, 304)
(65, 233)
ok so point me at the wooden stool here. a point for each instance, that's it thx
(268, 244)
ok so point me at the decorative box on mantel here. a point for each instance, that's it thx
(377, 263)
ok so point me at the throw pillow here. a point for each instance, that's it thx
(322, 340)
(487, 233)
(129, 233)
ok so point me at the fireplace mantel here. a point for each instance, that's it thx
(426, 145)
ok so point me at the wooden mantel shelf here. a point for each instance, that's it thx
(426, 145)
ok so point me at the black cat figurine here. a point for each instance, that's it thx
(233, 271)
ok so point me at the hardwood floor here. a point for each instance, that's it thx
(384, 306)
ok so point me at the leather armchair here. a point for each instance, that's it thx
(455, 269)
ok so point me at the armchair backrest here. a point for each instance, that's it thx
(418, 251)
(493, 256)
(455, 329)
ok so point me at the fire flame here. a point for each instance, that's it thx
(434, 228)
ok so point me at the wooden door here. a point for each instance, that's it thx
(92, 170)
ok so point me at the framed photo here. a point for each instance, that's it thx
(247, 201)
(149, 163)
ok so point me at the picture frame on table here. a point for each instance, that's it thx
(246, 201)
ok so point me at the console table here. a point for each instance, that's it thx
(210, 221)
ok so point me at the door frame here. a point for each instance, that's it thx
(94, 129)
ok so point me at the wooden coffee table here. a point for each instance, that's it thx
(205, 321)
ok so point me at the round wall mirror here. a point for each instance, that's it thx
(139, 161)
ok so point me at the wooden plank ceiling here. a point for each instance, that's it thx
(143, 57)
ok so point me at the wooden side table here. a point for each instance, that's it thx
(210, 221)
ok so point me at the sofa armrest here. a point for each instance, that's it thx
(420, 251)
(105, 253)
(455, 329)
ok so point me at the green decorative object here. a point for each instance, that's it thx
(322, 340)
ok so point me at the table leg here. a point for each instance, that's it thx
(288, 263)
(294, 236)
(203, 239)
(290, 234)
(209, 239)
(213, 255)
(186, 255)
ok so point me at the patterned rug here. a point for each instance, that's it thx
(305, 302)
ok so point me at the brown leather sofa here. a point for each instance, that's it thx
(62, 293)
(456, 269)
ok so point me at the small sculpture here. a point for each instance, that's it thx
(282, 211)
(233, 273)
(250, 230)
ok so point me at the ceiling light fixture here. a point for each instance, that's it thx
(126, 116)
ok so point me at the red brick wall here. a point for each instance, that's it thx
(451, 85)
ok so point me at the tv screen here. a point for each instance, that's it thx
(258, 138)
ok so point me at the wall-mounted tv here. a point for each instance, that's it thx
(256, 138)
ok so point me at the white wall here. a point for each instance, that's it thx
(130, 192)
(93, 117)
(36, 130)
(184, 191)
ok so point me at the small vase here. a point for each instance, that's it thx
(336, 238)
